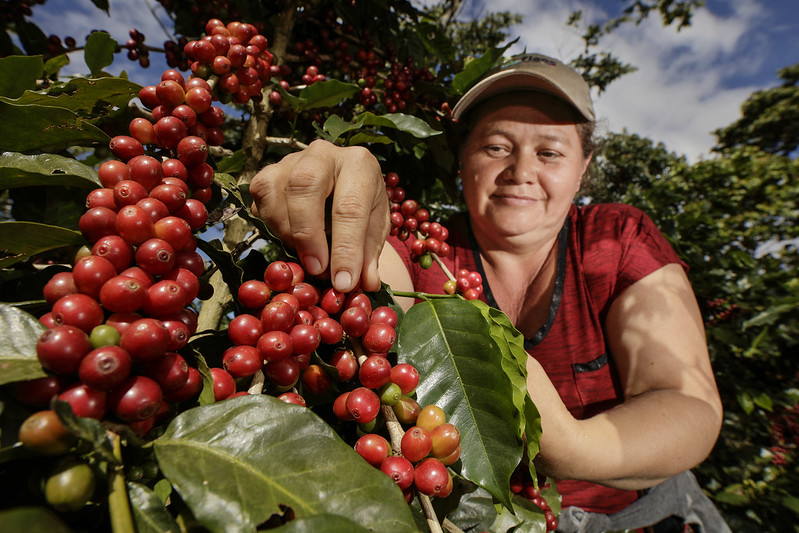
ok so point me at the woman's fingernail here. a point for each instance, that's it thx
(312, 265)
(343, 280)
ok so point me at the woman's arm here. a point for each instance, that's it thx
(672, 413)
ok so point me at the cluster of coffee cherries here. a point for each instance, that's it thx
(305, 335)
(522, 483)
(138, 51)
(235, 56)
(719, 310)
(119, 318)
(425, 450)
(410, 221)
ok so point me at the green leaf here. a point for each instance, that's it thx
(101, 4)
(54, 64)
(237, 462)
(99, 51)
(19, 333)
(37, 127)
(514, 361)
(89, 98)
(87, 429)
(149, 513)
(328, 93)
(21, 240)
(475, 69)
(791, 502)
(19, 73)
(326, 523)
(335, 127)
(449, 341)
(20, 170)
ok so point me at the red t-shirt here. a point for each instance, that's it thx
(602, 250)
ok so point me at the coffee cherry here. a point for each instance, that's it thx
(90, 273)
(399, 469)
(407, 410)
(114, 248)
(61, 284)
(85, 401)
(446, 439)
(190, 390)
(224, 384)
(245, 329)
(43, 432)
(379, 338)
(104, 368)
(97, 222)
(355, 321)
(363, 405)
(70, 485)
(284, 372)
(278, 276)
(111, 172)
(133, 224)
(170, 371)
(431, 416)
(432, 478)
(79, 310)
(416, 443)
(242, 361)
(292, 397)
(145, 339)
(315, 379)
(37, 393)
(125, 147)
(374, 372)
(277, 316)
(254, 294)
(137, 398)
(155, 256)
(373, 448)
(274, 346)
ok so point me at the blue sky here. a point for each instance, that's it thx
(688, 83)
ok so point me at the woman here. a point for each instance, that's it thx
(619, 368)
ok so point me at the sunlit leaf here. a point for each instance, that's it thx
(20, 170)
(19, 333)
(39, 127)
(236, 462)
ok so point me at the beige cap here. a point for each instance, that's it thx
(534, 72)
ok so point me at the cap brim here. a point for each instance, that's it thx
(512, 81)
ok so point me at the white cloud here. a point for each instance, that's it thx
(678, 94)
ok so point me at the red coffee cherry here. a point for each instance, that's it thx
(105, 367)
(379, 338)
(146, 170)
(431, 416)
(254, 294)
(164, 299)
(399, 469)
(155, 256)
(85, 401)
(61, 284)
(416, 443)
(137, 398)
(122, 294)
(432, 478)
(78, 310)
(274, 346)
(190, 390)
(172, 196)
(346, 364)
(97, 222)
(61, 349)
(145, 339)
(169, 131)
(277, 315)
(112, 172)
(278, 276)
(406, 376)
(245, 329)
(192, 151)
(91, 272)
(363, 405)
(133, 224)
(373, 448)
(114, 248)
(242, 361)
(125, 147)
(374, 372)
(355, 321)
(175, 231)
(330, 330)
(283, 373)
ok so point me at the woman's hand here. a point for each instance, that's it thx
(291, 197)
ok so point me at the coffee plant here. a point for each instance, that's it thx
(167, 363)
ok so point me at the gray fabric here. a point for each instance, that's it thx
(678, 496)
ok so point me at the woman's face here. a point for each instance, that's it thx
(521, 167)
